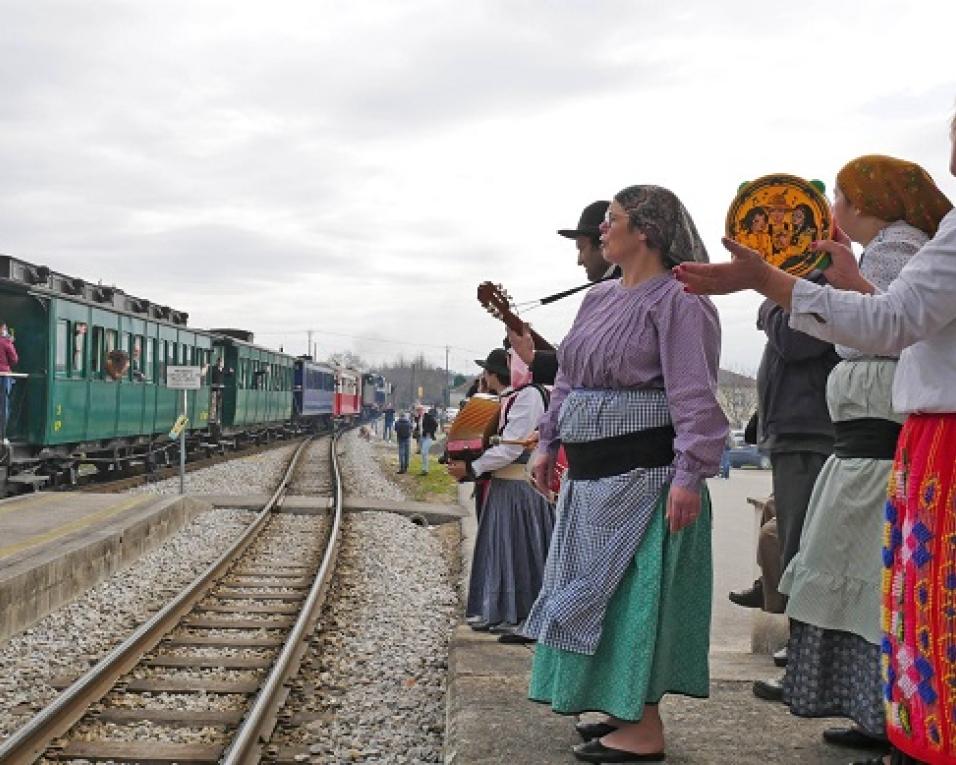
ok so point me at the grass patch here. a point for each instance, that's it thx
(437, 486)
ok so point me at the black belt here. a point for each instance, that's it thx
(869, 437)
(590, 460)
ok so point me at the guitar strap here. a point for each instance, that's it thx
(566, 293)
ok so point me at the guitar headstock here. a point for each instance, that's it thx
(496, 300)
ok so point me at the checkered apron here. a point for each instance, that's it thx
(600, 522)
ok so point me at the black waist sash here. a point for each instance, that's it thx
(590, 460)
(869, 437)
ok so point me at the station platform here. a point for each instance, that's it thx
(489, 719)
(56, 545)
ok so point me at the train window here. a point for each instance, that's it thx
(97, 354)
(62, 345)
(161, 360)
(136, 360)
(148, 357)
(110, 341)
(79, 348)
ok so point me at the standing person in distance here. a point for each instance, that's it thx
(403, 437)
(429, 431)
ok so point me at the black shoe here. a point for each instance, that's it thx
(588, 731)
(595, 751)
(855, 738)
(769, 690)
(780, 657)
(503, 628)
(752, 598)
(515, 638)
(480, 626)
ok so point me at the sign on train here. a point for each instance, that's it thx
(184, 378)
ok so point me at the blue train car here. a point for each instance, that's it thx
(313, 392)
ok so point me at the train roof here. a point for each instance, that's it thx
(43, 279)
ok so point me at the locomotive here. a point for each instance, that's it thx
(73, 406)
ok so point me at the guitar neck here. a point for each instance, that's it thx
(516, 325)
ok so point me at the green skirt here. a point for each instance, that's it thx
(656, 631)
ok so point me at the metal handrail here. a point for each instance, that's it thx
(31, 740)
(257, 725)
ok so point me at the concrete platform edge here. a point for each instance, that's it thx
(49, 577)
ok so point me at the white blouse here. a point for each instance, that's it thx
(882, 261)
(915, 317)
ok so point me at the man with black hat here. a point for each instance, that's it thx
(587, 239)
(514, 531)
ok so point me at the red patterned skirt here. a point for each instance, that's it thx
(919, 591)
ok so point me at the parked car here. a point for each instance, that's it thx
(747, 455)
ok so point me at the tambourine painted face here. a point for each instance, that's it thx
(780, 216)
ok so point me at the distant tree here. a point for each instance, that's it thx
(347, 359)
(737, 395)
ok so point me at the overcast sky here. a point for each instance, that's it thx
(358, 168)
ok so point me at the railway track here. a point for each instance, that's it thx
(203, 680)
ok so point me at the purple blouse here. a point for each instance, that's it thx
(653, 335)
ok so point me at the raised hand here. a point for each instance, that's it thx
(843, 271)
(746, 271)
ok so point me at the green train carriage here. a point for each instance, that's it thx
(257, 389)
(69, 407)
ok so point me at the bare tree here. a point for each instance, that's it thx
(737, 395)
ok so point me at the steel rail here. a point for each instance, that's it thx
(31, 740)
(258, 724)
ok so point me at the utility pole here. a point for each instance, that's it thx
(447, 381)
(411, 392)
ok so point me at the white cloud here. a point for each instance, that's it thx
(361, 167)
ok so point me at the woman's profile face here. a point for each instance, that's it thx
(844, 214)
(617, 237)
(798, 218)
(760, 223)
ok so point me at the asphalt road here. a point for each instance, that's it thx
(734, 543)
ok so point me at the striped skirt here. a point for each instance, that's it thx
(919, 591)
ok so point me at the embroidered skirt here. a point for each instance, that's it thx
(919, 591)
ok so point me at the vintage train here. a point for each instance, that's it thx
(74, 406)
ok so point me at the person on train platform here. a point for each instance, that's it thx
(834, 582)
(514, 531)
(914, 317)
(623, 617)
(794, 429)
(389, 423)
(429, 426)
(587, 239)
(8, 360)
(403, 438)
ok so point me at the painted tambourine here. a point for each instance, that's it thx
(779, 216)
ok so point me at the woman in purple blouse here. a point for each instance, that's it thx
(624, 612)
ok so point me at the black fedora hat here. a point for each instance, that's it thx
(591, 218)
(496, 363)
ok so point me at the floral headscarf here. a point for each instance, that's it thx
(658, 212)
(892, 189)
